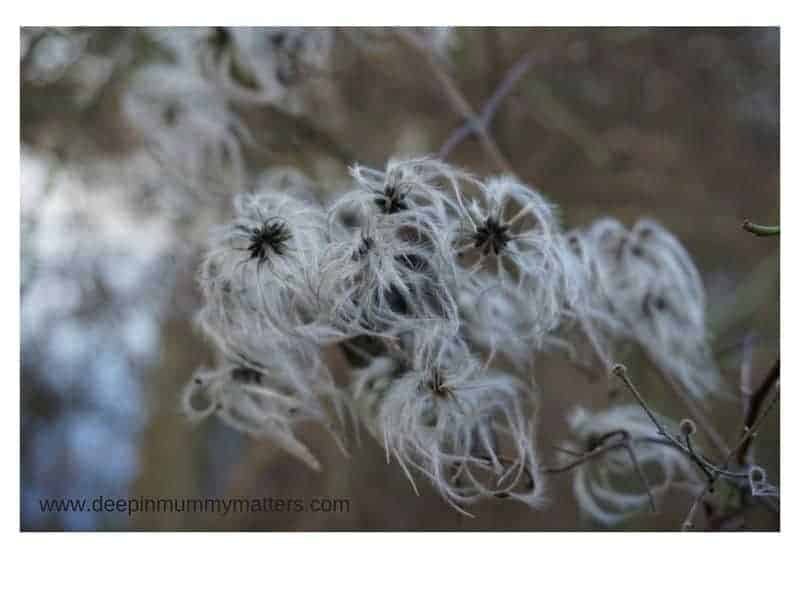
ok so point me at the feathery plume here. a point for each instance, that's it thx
(609, 488)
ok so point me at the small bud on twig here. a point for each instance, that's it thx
(688, 427)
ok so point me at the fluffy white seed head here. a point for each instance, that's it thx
(461, 427)
(380, 280)
(187, 124)
(511, 233)
(502, 321)
(587, 317)
(258, 274)
(268, 400)
(421, 275)
(417, 191)
(608, 488)
(642, 285)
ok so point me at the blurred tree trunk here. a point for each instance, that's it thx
(169, 463)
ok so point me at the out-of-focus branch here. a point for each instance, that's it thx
(456, 98)
(551, 113)
(756, 401)
(489, 110)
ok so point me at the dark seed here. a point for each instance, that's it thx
(246, 375)
(272, 236)
(391, 201)
(491, 237)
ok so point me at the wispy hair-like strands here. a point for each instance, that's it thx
(268, 400)
(642, 285)
(450, 420)
(610, 488)
(423, 275)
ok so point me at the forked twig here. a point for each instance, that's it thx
(711, 471)
(456, 98)
(688, 523)
(756, 400)
(694, 412)
(484, 120)
(625, 443)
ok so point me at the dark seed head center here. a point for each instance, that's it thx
(391, 201)
(271, 237)
(492, 236)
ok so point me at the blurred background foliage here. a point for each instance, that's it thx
(681, 125)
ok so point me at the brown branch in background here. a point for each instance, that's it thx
(756, 400)
(549, 110)
(514, 75)
(456, 98)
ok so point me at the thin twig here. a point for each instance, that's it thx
(621, 372)
(717, 472)
(694, 412)
(704, 463)
(625, 443)
(489, 109)
(456, 98)
(688, 522)
(642, 477)
(756, 401)
(696, 458)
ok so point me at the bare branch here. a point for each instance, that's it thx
(456, 98)
(489, 109)
(755, 406)
(688, 523)
(625, 443)
(712, 472)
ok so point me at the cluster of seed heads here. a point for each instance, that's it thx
(437, 289)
